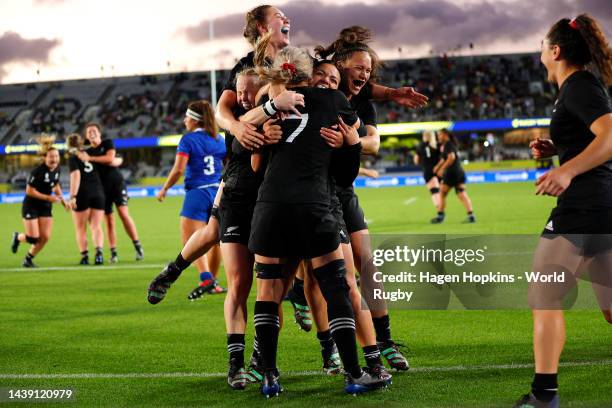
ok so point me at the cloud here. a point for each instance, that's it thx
(48, 2)
(439, 24)
(15, 48)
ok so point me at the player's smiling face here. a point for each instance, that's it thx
(325, 76)
(549, 54)
(52, 159)
(93, 135)
(280, 24)
(356, 71)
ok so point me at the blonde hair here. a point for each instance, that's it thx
(253, 19)
(429, 137)
(291, 66)
(249, 72)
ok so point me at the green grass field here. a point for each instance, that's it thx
(92, 330)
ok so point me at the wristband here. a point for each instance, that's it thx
(269, 108)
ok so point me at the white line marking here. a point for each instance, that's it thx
(292, 373)
(410, 201)
(83, 267)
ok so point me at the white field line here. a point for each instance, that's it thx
(290, 373)
(410, 201)
(83, 267)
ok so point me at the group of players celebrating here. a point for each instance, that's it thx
(285, 205)
(96, 185)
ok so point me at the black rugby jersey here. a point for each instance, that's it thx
(445, 151)
(582, 99)
(428, 156)
(300, 165)
(90, 179)
(108, 174)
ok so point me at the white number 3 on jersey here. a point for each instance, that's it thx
(209, 165)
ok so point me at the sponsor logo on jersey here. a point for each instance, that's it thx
(549, 226)
(231, 229)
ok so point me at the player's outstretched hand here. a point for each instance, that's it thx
(408, 97)
(542, 148)
(288, 101)
(272, 132)
(553, 182)
(333, 136)
(247, 135)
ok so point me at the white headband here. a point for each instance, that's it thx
(193, 115)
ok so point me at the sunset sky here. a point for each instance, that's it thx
(69, 39)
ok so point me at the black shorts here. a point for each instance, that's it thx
(590, 230)
(453, 179)
(428, 174)
(235, 221)
(354, 218)
(304, 231)
(87, 199)
(115, 193)
(336, 209)
(31, 209)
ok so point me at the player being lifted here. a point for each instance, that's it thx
(292, 218)
(36, 209)
(102, 154)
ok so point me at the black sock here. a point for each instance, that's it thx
(372, 356)
(255, 347)
(267, 325)
(98, 251)
(29, 257)
(340, 314)
(470, 213)
(325, 339)
(544, 386)
(113, 251)
(85, 253)
(440, 214)
(298, 290)
(181, 263)
(383, 328)
(136, 244)
(235, 348)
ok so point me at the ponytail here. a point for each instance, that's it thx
(582, 42)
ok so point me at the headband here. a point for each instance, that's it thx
(193, 115)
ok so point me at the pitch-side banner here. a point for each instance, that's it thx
(384, 181)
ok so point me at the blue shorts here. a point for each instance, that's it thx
(198, 203)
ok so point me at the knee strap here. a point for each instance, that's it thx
(269, 271)
(332, 277)
(31, 240)
(434, 190)
(459, 190)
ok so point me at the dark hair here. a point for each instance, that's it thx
(93, 124)
(582, 42)
(318, 62)
(449, 134)
(208, 122)
(254, 18)
(350, 40)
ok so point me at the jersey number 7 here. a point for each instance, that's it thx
(303, 121)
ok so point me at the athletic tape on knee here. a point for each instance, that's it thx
(31, 240)
(332, 277)
(459, 190)
(434, 190)
(269, 271)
